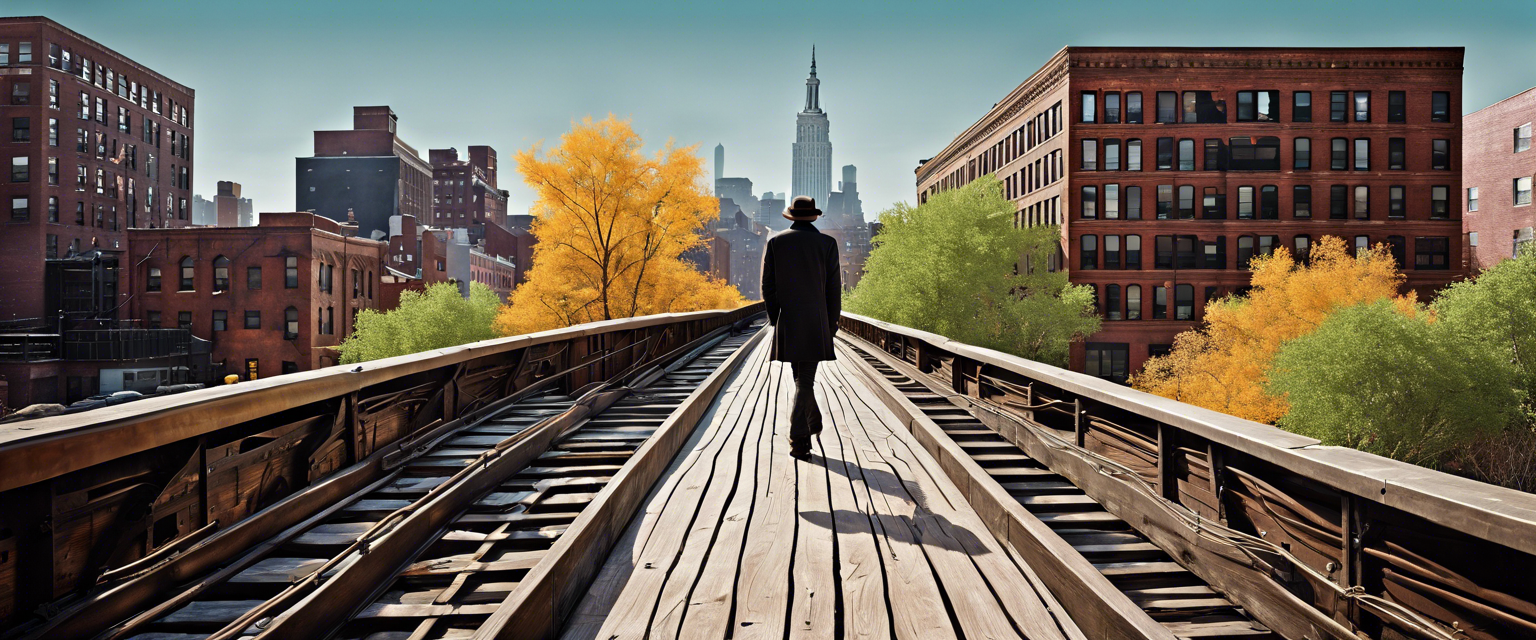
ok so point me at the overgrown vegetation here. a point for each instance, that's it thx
(948, 266)
(432, 319)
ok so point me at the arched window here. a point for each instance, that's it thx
(1133, 302)
(220, 274)
(290, 323)
(187, 273)
(154, 280)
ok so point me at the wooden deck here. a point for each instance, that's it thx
(869, 539)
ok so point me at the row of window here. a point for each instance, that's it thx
(325, 321)
(1046, 211)
(1520, 196)
(1431, 253)
(1036, 175)
(1035, 131)
(1178, 202)
(102, 77)
(1257, 105)
(1250, 154)
(324, 277)
(105, 215)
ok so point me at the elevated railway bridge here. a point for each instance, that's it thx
(631, 479)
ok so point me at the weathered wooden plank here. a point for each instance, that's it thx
(861, 576)
(762, 589)
(812, 610)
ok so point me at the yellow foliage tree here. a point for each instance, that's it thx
(611, 225)
(1222, 365)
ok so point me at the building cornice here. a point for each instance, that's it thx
(1046, 79)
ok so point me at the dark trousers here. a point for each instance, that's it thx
(805, 417)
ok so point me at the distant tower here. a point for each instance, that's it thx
(812, 172)
(719, 166)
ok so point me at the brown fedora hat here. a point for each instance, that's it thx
(802, 209)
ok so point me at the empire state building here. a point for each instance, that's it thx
(812, 175)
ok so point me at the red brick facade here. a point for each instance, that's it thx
(92, 143)
(1213, 173)
(297, 261)
(464, 192)
(1491, 164)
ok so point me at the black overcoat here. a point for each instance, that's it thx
(803, 289)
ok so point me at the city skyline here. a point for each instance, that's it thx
(897, 103)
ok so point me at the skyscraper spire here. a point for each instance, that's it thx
(813, 87)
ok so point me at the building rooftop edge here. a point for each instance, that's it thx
(54, 23)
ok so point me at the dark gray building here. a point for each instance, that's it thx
(368, 171)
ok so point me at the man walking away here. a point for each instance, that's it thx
(803, 291)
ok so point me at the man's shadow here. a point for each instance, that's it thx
(924, 527)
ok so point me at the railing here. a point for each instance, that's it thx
(1317, 541)
(84, 495)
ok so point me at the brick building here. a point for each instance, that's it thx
(1169, 168)
(367, 169)
(272, 299)
(1497, 168)
(464, 193)
(93, 143)
(495, 272)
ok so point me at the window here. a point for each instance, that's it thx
(1213, 204)
(1301, 106)
(1338, 106)
(21, 209)
(1522, 191)
(1133, 107)
(1167, 107)
(1337, 196)
(1132, 203)
(1112, 154)
(1440, 106)
(253, 319)
(53, 208)
(220, 274)
(1089, 202)
(184, 320)
(187, 273)
(1439, 201)
(1164, 154)
(1089, 253)
(1111, 252)
(1107, 360)
(252, 366)
(53, 171)
(1362, 245)
(1440, 154)
(291, 272)
(1340, 157)
(1258, 106)
(1396, 207)
(1133, 252)
(1398, 247)
(1159, 303)
(5, 54)
(1245, 203)
(1090, 155)
(1303, 248)
(1133, 155)
(1186, 202)
(1397, 106)
(21, 169)
(1213, 253)
(1090, 106)
(1362, 202)
(21, 93)
(1432, 254)
(1471, 198)
(1302, 158)
(1184, 302)
(1213, 154)
(1362, 106)
(1255, 154)
(1244, 251)
(1111, 107)
(53, 132)
(1396, 153)
(152, 283)
(220, 320)
(1185, 247)
(1269, 202)
(1200, 107)
(1164, 201)
(1523, 137)
(1186, 154)
(290, 323)
(1112, 302)
(1133, 302)
(1301, 201)
(21, 129)
(1163, 253)
(253, 278)
(1362, 154)
(1111, 201)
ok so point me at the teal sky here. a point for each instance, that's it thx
(899, 79)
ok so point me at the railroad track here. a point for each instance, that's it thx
(1157, 584)
(433, 548)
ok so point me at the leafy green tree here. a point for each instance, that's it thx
(948, 266)
(1377, 379)
(1497, 310)
(432, 319)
